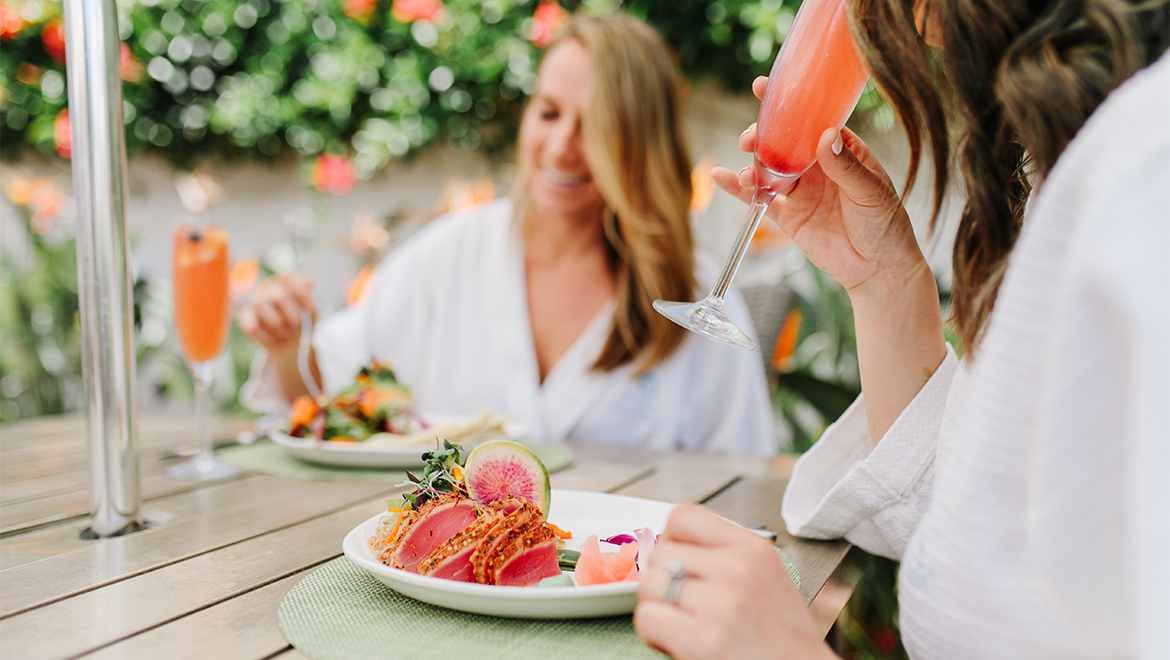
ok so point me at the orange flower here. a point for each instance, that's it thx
(786, 341)
(409, 11)
(243, 277)
(53, 36)
(63, 135)
(359, 10)
(702, 185)
(333, 173)
(11, 22)
(359, 288)
(304, 410)
(548, 17)
(19, 190)
(132, 69)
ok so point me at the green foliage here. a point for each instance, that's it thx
(363, 78)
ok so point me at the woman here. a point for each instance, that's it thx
(540, 306)
(1026, 487)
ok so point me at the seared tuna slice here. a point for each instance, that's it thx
(452, 560)
(429, 527)
(509, 528)
(531, 560)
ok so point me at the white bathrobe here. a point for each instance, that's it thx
(1028, 493)
(448, 309)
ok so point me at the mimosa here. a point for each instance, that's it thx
(201, 290)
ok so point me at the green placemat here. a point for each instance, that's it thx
(267, 457)
(340, 612)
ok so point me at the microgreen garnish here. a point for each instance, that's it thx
(442, 474)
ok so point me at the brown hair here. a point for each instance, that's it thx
(637, 152)
(1025, 76)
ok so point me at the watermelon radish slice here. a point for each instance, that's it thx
(501, 469)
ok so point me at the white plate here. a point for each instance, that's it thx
(582, 513)
(359, 454)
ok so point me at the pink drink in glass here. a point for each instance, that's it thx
(814, 85)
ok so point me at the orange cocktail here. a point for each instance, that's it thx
(201, 290)
(814, 85)
(201, 319)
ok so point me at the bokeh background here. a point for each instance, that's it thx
(321, 133)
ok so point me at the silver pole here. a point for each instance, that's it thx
(103, 269)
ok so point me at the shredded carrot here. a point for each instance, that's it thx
(394, 531)
(561, 534)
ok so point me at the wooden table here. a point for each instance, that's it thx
(207, 581)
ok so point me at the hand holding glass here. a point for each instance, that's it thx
(201, 319)
(814, 85)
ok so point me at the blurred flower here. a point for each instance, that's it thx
(132, 69)
(885, 640)
(29, 74)
(548, 17)
(460, 194)
(409, 11)
(40, 196)
(368, 238)
(786, 341)
(243, 277)
(359, 10)
(198, 192)
(333, 173)
(53, 35)
(10, 21)
(702, 185)
(360, 286)
(62, 134)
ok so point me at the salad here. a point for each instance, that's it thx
(377, 409)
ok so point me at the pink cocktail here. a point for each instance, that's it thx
(814, 85)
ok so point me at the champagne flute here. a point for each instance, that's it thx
(814, 84)
(201, 320)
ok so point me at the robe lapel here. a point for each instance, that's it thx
(572, 387)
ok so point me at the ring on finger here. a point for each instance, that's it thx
(678, 575)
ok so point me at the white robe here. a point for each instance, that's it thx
(448, 309)
(1028, 493)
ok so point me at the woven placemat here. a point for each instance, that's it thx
(267, 457)
(340, 612)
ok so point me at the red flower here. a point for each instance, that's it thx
(333, 173)
(359, 10)
(131, 68)
(54, 37)
(10, 22)
(409, 11)
(885, 640)
(548, 17)
(63, 135)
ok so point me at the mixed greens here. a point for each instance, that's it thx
(376, 402)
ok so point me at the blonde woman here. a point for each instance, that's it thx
(539, 306)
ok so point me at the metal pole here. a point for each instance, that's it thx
(103, 270)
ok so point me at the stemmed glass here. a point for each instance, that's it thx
(201, 319)
(814, 84)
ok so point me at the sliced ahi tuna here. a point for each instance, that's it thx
(452, 560)
(430, 527)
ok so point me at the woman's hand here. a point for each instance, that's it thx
(737, 601)
(844, 213)
(272, 318)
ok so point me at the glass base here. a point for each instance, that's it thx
(706, 318)
(204, 468)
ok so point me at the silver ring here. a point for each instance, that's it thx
(678, 575)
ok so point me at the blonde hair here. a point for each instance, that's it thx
(637, 154)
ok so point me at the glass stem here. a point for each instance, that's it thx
(202, 374)
(760, 202)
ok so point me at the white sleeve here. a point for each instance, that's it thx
(871, 496)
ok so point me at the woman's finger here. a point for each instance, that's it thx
(759, 86)
(664, 627)
(691, 523)
(840, 164)
(729, 182)
(747, 139)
